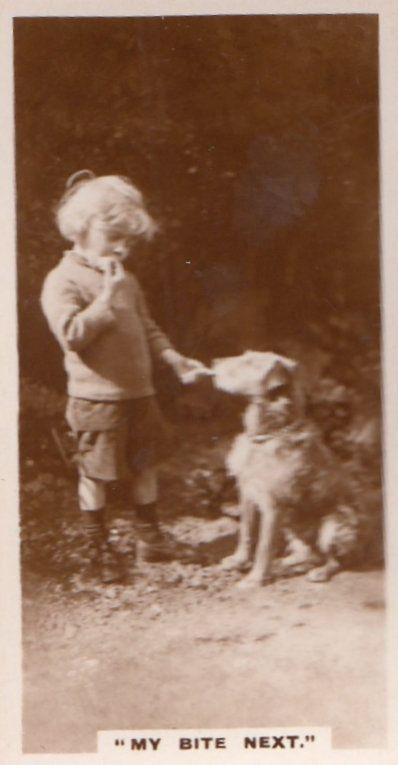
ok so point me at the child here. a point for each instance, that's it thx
(98, 313)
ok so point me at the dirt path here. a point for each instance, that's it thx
(161, 654)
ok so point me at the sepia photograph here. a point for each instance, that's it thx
(201, 511)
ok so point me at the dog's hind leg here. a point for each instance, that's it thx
(265, 546)
(243, 553)
(300, 557)
(327, 539)
(325, 572)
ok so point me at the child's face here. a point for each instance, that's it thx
(100, 241)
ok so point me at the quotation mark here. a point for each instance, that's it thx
(308, 740)
(119, 742)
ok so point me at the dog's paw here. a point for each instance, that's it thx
(321, 574)
(324, 573)
(294, 561)
(252, 581)
(234, 563)
(292, 565)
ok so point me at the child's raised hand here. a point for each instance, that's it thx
(188, 370)
(114, 276)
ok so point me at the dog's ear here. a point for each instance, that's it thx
(276, 370)
(283, 370)
(296, 377)
(289, 364)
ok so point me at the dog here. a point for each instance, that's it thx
(286, 476)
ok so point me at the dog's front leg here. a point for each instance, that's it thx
(265, 546)
(242, 555)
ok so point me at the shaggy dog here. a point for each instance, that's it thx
(287, 478)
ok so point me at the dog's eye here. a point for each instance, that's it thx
(278, 392)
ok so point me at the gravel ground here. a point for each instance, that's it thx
(181, 646)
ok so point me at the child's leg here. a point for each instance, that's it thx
(146, 441)
(92, 497)
(100, 440)
(91, 494)
(154, 546)
(145, 495)
(145, 487)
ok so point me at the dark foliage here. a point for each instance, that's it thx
(255, 141)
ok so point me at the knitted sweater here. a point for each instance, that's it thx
(107, 350)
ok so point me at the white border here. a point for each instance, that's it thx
(10, 655)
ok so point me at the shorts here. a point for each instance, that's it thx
(116, 439)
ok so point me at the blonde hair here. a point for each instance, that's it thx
(112, 199)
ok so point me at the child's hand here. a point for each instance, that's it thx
(188, 370)
(114, 276)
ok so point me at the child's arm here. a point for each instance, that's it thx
(73, 323)
(157, 340)
(188, 370)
